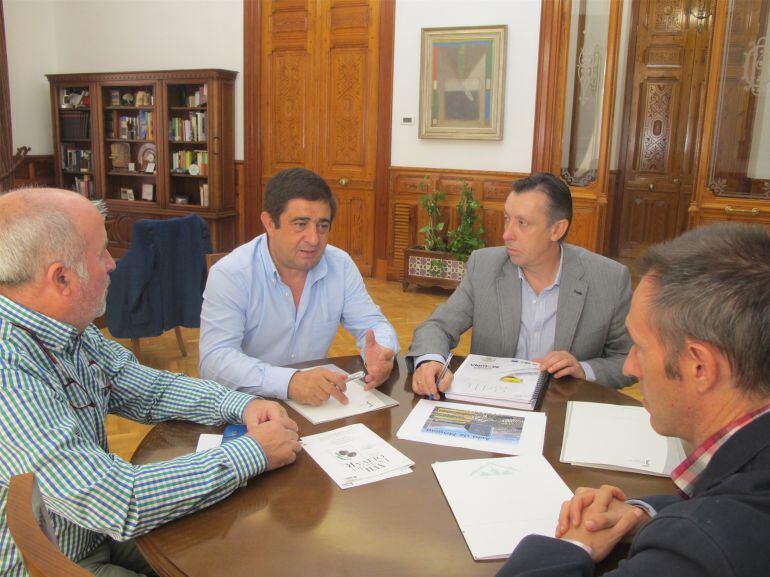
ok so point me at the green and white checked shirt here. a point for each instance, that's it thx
(90, 492)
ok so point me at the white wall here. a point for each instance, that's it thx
(30, 37)
(514, 152)
(69, 36)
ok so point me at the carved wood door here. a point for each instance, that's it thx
(664, 113)
(319, 105)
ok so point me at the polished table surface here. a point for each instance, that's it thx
(296, 521)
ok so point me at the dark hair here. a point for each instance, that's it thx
(711, 284)
(557, 191)
(295, 183)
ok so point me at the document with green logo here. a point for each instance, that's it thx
(498, 502)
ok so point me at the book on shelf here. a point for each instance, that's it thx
(617, 437)
(75, 159)
(204, 194)
(75, 123)
(501, 381)
(182, 160)
(84, 186)
(197, 98)
(190, 129)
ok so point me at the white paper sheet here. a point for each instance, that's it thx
(617, 437)
(475, 427)
(354, 455)
(359, 401)
(208, 441)
(497, 502)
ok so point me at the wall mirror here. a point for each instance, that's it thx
(589, 24)
(740, 148)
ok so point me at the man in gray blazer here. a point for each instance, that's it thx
(534, 298)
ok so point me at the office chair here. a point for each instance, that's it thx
(28, 520)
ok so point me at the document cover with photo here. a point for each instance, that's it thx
(501, 381)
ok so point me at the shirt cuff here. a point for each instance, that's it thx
(590, 374)
(275, 383)
(646, 507)
(429, 357)
(583, 546)
(246, 456)
(232, 406)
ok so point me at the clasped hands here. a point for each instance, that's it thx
(600, 519)
(269, 425)
(558, 363)
(315, 386)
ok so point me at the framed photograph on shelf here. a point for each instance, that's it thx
(462, 82)
(127, 193)
(148, 192)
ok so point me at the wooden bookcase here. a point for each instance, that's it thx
(151, 145)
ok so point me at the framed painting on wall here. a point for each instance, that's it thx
(462, 83)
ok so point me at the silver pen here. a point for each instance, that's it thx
(441, 374)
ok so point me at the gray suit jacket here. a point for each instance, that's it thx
(594, 296)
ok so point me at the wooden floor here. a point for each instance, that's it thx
(404, 309)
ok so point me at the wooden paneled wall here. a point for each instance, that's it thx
(35, 170)
(406, 186)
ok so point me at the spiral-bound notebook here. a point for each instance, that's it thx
(500, 381)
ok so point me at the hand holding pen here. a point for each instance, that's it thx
(432, 377)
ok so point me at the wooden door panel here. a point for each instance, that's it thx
(648, 218)
(668, 80)
(659, 103)
(287, 75)
(346, 122)
(287, 121)
(352, 230)
(348, 86)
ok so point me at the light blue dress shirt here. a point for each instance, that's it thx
(537, 332)
(250, 326)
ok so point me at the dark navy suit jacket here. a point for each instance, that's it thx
(159, 282)
(722, 531)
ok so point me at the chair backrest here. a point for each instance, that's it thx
(26, 517)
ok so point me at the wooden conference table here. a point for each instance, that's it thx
(296, 521)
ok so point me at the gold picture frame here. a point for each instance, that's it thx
(462, 82)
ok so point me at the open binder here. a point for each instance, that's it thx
(505, 382)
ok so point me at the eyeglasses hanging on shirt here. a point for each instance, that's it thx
(67, 380)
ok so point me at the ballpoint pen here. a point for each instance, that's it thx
(354, 376)
(441, 374)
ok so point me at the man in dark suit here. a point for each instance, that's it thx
(535, 298)
(700, 327)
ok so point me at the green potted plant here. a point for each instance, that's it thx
(469, 234)
(441, 260)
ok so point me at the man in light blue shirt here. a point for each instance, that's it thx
(280, 298)
(535, 298)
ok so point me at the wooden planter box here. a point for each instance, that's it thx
(430, 268)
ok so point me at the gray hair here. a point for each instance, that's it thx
(713, 284)
(35, 233)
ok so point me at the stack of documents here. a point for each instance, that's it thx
(475, 427)
(359, 401)
(617, 437)
(354, 455)
(505, 382)
(498, 502)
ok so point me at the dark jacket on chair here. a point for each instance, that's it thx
(159, 283)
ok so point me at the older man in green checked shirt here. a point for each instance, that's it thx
(60, 377)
